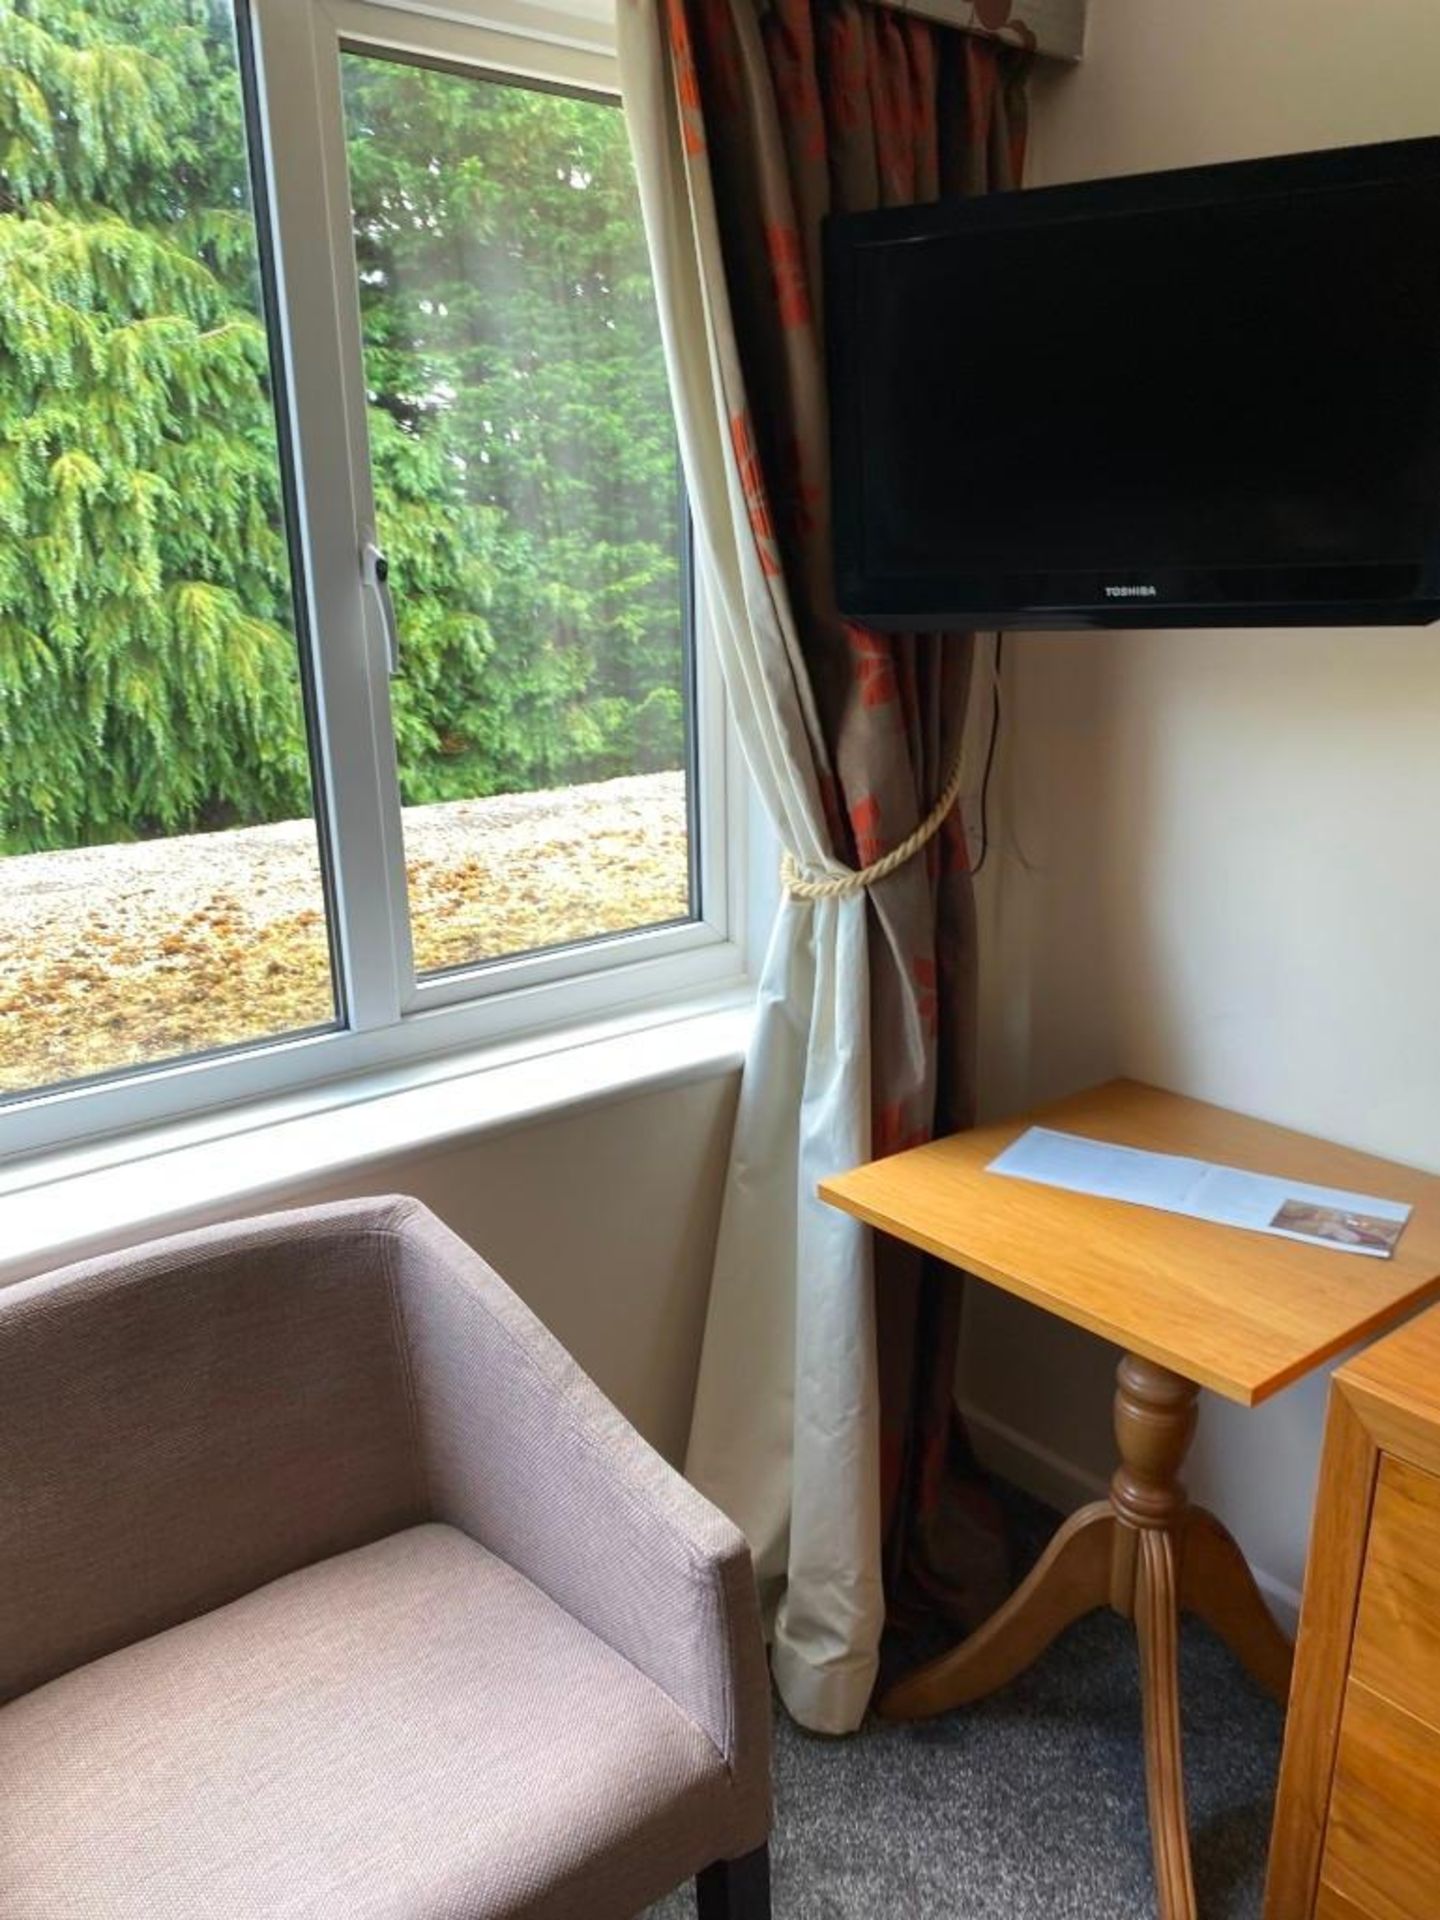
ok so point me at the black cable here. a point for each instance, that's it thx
(990, 757)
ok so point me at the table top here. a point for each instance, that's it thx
(1241, 1312)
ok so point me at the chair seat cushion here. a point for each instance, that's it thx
(411, 1731)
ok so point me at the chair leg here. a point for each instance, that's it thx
(735, 1889)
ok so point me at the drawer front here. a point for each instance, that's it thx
(1382, 1841)
(1397, 1630)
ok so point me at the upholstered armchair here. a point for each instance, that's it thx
(331, 1589)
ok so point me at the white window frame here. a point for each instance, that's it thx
(386, 1014)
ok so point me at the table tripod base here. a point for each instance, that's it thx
(1149, 1555)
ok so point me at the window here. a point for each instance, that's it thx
(350, 705)
(528, 498)
(161, 888)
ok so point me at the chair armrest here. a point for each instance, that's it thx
(523, 1452)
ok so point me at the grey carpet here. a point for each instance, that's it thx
(1029, 1805)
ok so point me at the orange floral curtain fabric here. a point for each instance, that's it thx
(861, 107)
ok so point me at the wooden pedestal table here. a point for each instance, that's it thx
(1192, 1304)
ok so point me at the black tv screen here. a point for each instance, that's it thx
(1201, 398)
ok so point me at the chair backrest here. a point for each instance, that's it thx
(180, 1423)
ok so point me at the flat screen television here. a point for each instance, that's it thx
(1202, 398)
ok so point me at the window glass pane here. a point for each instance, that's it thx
(529, 502)
(160, 880)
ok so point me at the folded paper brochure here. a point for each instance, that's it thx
(1321, 1216)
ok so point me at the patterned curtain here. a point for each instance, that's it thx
(780, 113)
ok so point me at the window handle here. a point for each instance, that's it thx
(375, 572)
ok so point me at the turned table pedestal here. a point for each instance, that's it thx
(1191, 1304)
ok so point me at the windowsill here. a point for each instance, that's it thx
(85, 1200)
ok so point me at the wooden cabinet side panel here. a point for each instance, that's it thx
(1348, 1469)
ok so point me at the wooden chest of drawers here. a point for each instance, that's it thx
(1357, 1822)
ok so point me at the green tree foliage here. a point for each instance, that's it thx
(510, 326)
(525, 477)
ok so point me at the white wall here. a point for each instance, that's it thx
(1233, 886)
(604, 1222)
(601, 1214)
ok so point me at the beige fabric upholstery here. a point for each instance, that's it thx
(180, 1423)
(186, 1423)
(582, 1505)
(409, 1730)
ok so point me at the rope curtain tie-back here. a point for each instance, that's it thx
(842, 886)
